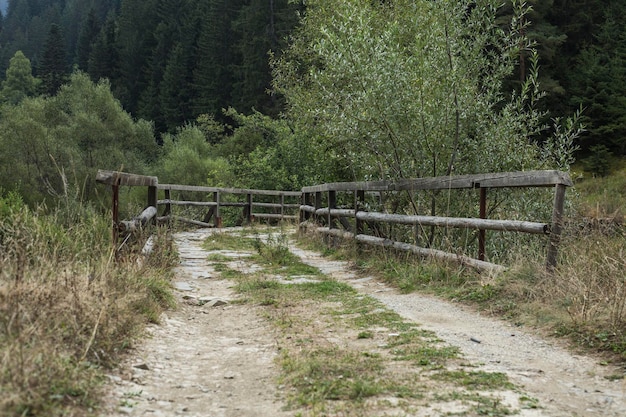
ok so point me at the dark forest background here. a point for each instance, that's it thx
(170, 61)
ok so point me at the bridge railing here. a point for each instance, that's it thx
(255, 204)
(334, 217)
(349, 221)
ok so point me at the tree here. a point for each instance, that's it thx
(261, 29)
(61, 140)
(88, 35)
(212, 75)
(53, 68)
(410, 89)
(19, 82)
(104, 56)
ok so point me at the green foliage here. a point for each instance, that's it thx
(52, 146)
(19, 82)
(599, 162)
(412, 90)
(266, 153)
(189, 159)
(53, 67)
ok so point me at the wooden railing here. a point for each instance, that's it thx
(282, 205)
(279, 209)
(329, 218)
(313, 198)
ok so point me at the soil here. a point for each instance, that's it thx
(215, 357)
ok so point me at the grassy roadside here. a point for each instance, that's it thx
(584, 300)
(344, 353)
(67, 310)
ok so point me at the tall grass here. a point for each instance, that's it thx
(67, 309)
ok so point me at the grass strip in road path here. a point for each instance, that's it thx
(344, 353)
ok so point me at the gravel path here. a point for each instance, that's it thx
(217, 360)
(209, 360)
(565, 384)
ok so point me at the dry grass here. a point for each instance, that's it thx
(583, 299)
(67, 310)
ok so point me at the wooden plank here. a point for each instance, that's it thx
(526, 179)
(196, 188)
(335, 212)
(188, 203)
(273, 216)
(126, 179)
(268, 205)
(424, 252)
(434, 253)
(348, 186)
(489, 180)
(457, 222)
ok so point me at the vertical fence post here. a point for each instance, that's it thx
(116, 212)
(153, 200)
(481, 232)
(282, 206)
(304, 215)
(248, 209)
(168, 205)
(332, 204)
(359, 203)
(557, 226)
(218, 217)
(318, 205)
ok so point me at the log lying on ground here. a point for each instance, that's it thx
(424, 252)
(139, 221)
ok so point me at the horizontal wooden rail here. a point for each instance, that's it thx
(458, 222)
(187, 203)
(492, 180)
(195, 188)
(311, 208)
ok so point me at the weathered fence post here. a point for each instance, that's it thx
(218, 217)
(557, 226)
(318, 205)
(168, 204)
(248, 209)
(482, 232)
(282, 206)
(152, 199)
(359, 203)
(332, 204)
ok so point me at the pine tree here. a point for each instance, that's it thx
(261, 27)
(88, 35)
(213, 77)
(19, 82)
(137, 22)
(53, 69)
(103, 59)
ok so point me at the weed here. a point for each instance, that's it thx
(82, 308)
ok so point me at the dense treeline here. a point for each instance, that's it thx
(168, 61)
(371, 98)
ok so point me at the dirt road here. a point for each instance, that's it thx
(213, 357)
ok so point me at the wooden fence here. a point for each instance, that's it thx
(312, 199)
(278, 208)
(282, 205)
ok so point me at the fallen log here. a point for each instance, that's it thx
(139, 221)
